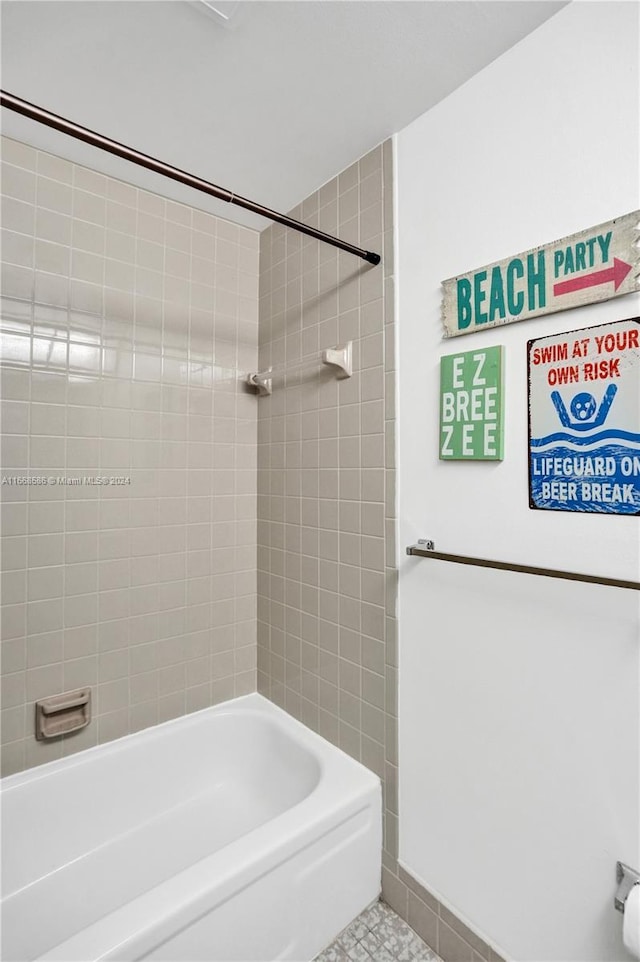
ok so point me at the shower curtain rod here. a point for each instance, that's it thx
(43, 116)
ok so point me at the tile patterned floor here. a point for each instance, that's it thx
(378, 935)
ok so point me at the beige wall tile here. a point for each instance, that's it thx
(323, 482)
(105, 403)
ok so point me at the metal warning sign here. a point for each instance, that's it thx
(593, 265)
(584, 420)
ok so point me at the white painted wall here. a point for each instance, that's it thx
(519, 696)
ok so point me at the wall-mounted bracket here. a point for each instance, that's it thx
(422, 544)
(627, 878)
(262, 384)
(63, 714)
(340, 357)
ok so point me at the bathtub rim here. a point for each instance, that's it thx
(253, 703)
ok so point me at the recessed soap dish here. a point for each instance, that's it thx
(63, 714)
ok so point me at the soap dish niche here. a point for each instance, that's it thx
(63, 714)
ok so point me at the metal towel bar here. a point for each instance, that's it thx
(426, 549)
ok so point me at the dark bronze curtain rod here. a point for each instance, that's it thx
(42, 116)
(425, 549)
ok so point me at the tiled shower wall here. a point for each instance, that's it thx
(127, 321)
(326, 567)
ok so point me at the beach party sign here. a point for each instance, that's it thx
(593, 265)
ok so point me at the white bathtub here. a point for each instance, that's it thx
(234, 833)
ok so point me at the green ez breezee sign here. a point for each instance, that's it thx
(594, 265)
(471, 409)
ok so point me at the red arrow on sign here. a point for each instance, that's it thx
(617, 274)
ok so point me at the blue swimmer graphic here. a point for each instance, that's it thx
(583, 407)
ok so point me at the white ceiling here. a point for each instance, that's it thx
(270, 106)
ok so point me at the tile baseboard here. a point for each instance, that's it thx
(436, 925)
